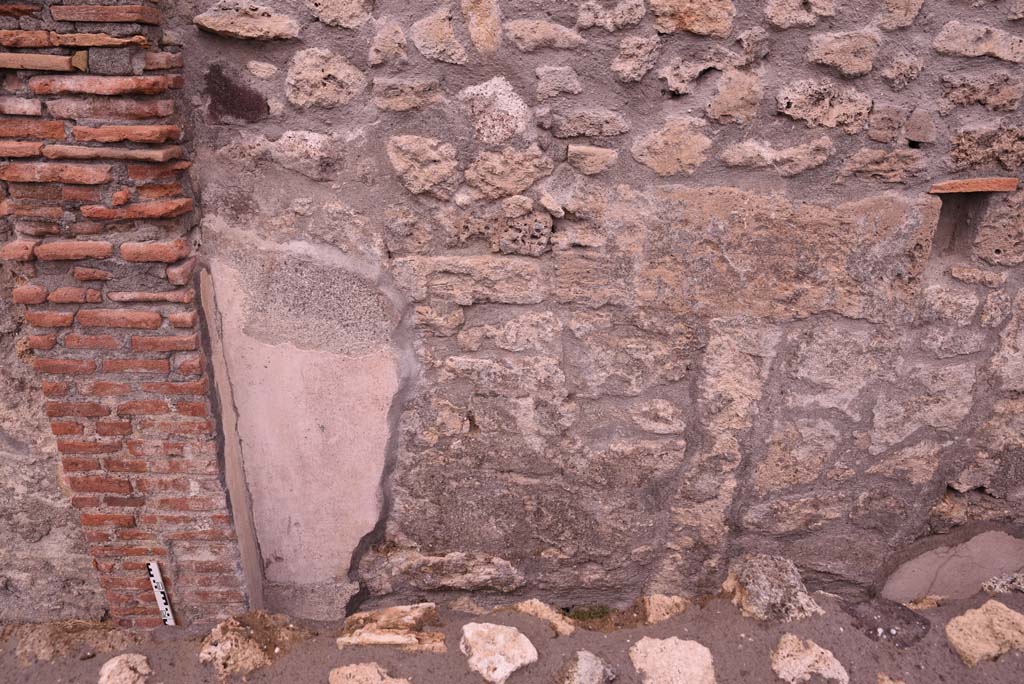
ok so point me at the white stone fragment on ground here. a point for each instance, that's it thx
(362, 673)
(496, 651)
(986, 633)
(769, 588)
(130, 668)
(672, 661)
(402, 626)
(795, 660)
(586, 668)
(660, 607)
(562, 625)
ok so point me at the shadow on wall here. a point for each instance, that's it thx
(308, 363)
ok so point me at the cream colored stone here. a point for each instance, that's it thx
(703, 17)
(508, 171)
(590, 160)
(786, 14)
(986, 633)
(586, 668)
(672, 661)
(677, 147)
(969, 39)
(899, 14)
(424, 164)
(623, 14)
(319, 78)
(588, 122)
(789, 161)
(344, 13)
(737, 97)
(637, 55)
(435, 38)
(890, 166)
(823, 103)
(247, 21)
(534, 34)
(496, 651)
(407, 627)
(404, 94)
(556, 80)
(497, 111)
(483, 20)
(130, 668)
(795, 660)
(263, 70)
(562, 625)
(362, 673)
(851, 54)
(769, 588)
(660, 607)
(388, 44)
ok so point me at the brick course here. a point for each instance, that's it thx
(128, 396)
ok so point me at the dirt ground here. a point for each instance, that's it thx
(917, 654)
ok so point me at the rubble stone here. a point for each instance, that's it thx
(553, 81)
(498, 113)
(586, 668)
(986, 633)
(737, 98)
(435, 38)
(496, 651)
(789, 161)
(530, 35)
(672, 661)
(406, 627)
(362, 673)
(786, 14)
(637, 55)
(676, 147)
(852, 54)
(247, 21)
(822, 103)
(129, 668)
(969, 39)
(348, 14)
(320, 78)
(708, 18)
(769, 588)
(795, 660)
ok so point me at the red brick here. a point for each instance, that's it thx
(37, 228)
(135, 14)
(190, 364)
(119, 318)
(160, 191)
(49, 319)
(28, 128)
(181, 273)
(107, 519)
(18, 250)
(32, 209)
(79, 341)
(20, 149)
(49, 172)
(53, 390)
(104, 108)
(177, 427)
(121, 465)
(201, 535)
(163, 485)
(987, 184)
(19, 9)
(108, 389)
(184, 319)
(136, 366)
(165, 252)
(64, 366)
(24, 39)
(80, 409)
(88, 447)
(160, 61)
(140, 210)
(161, 344)
(124, 501)
(81, 502)
(99, 484)
(139, 134)
(115, 551)
(153, 154)
(67, 295)
(82, 193)
(137, 535)
(141, 173)
(63, 428)
(169, 296)
(79, 464)
(113, 428)
(192, 388)
(146, 407)
(20, 106)
(39, 191)
(28, 294)
(103, 85)
(42, 342)
(191, 503)
(91, 274)
(95, 40)
(73, 250)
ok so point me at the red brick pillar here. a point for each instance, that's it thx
(96, 212)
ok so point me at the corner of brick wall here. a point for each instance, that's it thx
(96, 213)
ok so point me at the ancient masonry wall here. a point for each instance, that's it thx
(97, 219)
(577, 300)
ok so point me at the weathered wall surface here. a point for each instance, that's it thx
(677, 285)
(583, 299)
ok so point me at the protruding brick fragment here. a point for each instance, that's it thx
(91, 274)
(70, 250)
(119, 318)
(140, 210)
(140, 134)
(166, 252)
(160, 154)
(104, 14)
(990, 184)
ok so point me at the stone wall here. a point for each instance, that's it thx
(580, 300)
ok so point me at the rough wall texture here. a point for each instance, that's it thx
(97, 224)
(649, 284)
